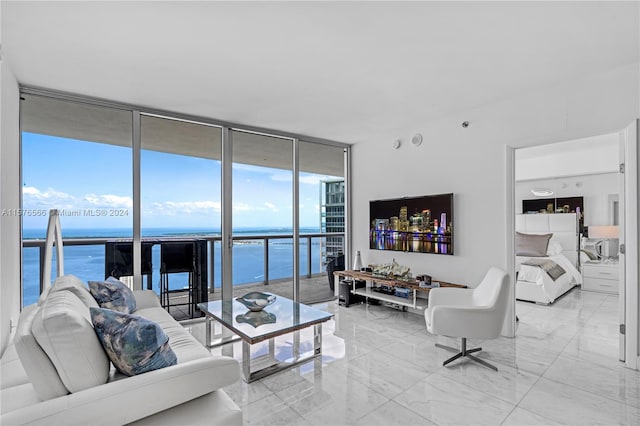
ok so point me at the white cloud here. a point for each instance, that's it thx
(271, 207)
(30, 190)
(241, 207)
(175, 208)
(35, 198)
(281, 176)
(48, 199)
(311, 179)
(108, 200)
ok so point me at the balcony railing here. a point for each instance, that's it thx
(211, 243)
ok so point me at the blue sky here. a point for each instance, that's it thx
(94, 181)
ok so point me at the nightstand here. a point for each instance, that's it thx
(601, 277)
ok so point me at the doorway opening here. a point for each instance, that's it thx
(571, 191)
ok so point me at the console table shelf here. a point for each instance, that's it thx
(413, 301)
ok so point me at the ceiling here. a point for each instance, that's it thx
(343, 71)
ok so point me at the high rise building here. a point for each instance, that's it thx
(332, 217)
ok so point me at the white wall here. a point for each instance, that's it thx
(596, 154)
(594, 188)
(9, 199)
(471, 163)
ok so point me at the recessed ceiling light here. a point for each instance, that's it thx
(542, 192)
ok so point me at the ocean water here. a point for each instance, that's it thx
(87, 262)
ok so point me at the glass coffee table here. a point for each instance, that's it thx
(282, 317)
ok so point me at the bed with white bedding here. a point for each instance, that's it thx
(533, 283)
(536, 285)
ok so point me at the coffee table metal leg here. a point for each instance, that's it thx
(296, 345)
(246, 361)
(317, 339)
(226, 337)
(272, 348)
(250, 376)
(207, 326)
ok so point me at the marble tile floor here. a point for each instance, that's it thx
(380, 367)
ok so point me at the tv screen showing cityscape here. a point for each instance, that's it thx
(416, 224)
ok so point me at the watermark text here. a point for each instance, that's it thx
(67, 212)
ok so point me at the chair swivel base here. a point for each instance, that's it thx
(465, 352)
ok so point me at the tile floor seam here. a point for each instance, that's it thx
(525, 396)
(353, 420)
(518, 407)
(495, 396)
(434, 421)
(589, 392)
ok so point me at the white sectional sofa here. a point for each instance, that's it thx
(35, 386)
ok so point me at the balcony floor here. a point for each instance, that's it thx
(312, 290)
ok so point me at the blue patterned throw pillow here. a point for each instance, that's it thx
(134, 344)
(113, 294)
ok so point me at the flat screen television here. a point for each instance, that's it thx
(414, 224)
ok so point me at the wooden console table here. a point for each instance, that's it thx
(413, 301)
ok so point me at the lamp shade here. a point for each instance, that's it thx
(604, 231)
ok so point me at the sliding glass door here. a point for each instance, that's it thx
(180, 205)
(262, 213)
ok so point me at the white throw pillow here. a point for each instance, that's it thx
(64, 330)
(77, 287)
(40, 371)
(554, 248)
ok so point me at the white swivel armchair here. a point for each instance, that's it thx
(476, 313)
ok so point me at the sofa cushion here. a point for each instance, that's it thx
(11, 371)
(113, 294)
(64, 330)
(186, 347)
(134, 344)
(146, 299)
(39, 369)
(75, 286)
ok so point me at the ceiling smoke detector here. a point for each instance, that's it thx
(416, 140)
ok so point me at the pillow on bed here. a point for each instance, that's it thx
(554, 249)
(533, 245)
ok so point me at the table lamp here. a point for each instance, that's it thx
(607, 246)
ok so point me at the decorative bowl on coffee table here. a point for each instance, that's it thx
(256, 301)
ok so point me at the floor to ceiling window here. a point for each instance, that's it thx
(262, 209)
(80, 157)
(321, 206)
(180, 206)
(76, 158)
